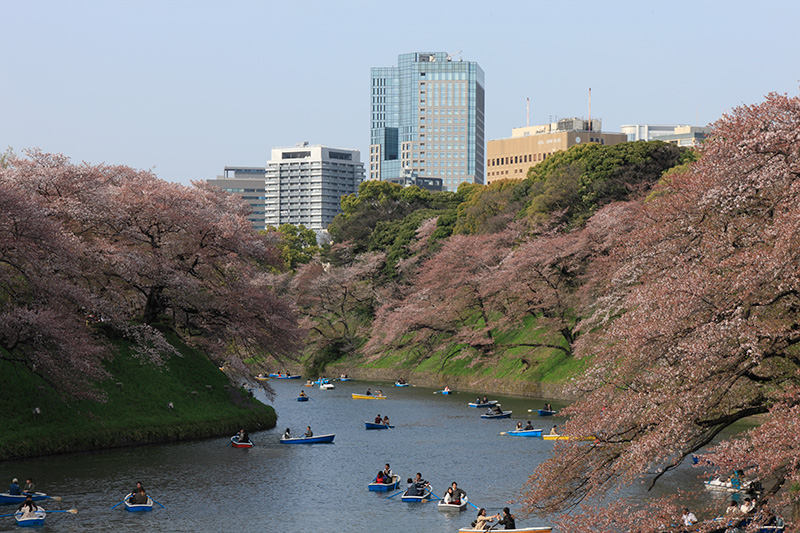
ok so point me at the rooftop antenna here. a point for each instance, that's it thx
(590, 109)
(528, 113)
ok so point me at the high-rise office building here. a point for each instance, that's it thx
(248, 184)
(427, 117)
(304, 184)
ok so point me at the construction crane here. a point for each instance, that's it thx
(450, 56)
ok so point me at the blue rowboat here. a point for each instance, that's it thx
(345, 379)
(302, 398)
(443, 392)
(526, 432)
(483, 404)
(546, 412)
(6, 498)
(372, 425)
(35, 519)
(138, 507)
(505, 414)
(281, 376)
(309, 440)
(236, 444)
(398, 384)
(422, 498)
(383, 487)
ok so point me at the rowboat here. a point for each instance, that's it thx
(422, 498)
(284, 376)
(34, 519)
(443, 391)
(546, 412)
(504, 414)
(6, 498)
(727, 486)
(383, 487)
(367, 397)
(319, 439)
(138, 507)
(262, 377)
(526, 432)
(372, 425)
(519, 529)
(327, 386)
(565, 437)
(398, 384)
(453, 506)
(236, 444)
(302, 398)
(482, 404)
(345, 379)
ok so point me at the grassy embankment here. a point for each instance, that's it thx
(135, 412)
(515, 367)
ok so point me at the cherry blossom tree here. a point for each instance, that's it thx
(155, 251)
(337, 303)
(42, 307)
(698, 329)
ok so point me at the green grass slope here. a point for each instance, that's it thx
(135, 412)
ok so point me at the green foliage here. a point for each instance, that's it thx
(7, 154)
(369, 218)
(136, 412)
(488, 209)
(298, 244)
(605, 174)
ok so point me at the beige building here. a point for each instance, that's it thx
(512, 157)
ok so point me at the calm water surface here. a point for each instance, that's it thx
(208, 486)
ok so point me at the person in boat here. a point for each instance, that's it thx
(458, 494)
(519, 426)
(688, 518)
(28, 508)
(446, 388)
(29, 487)
(507, 519)
(287, 434)
(482, 522)
(547, 407)
(553, 431)
(380, 478)
(732, 511)
(309, 383)
(485, 399)
(448, 496)
(496, 409)
(139, 498)
(368, 393)
(748, 505)
(302, 394)
(416, 486)
(529, 426)
(385, 420)
(14, 489)
(387, 473)
(401, 381)
(379, 392)
(411, 488)
(308, 432)
(378, 419)
(478, 399)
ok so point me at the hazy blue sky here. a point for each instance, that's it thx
(187, 87)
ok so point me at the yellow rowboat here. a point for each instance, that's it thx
(365, 397)
(565, 437)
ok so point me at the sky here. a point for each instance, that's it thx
(184, 88)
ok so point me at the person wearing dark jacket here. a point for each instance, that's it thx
(14, 489)
(507, 519)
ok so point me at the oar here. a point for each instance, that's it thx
(504, 432)
(70, 511)
(155, 501)
(472, 504)
(54, 498)
(434, 494)
(123, 501)
(388, 497)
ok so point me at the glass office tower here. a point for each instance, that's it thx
(427, 117)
